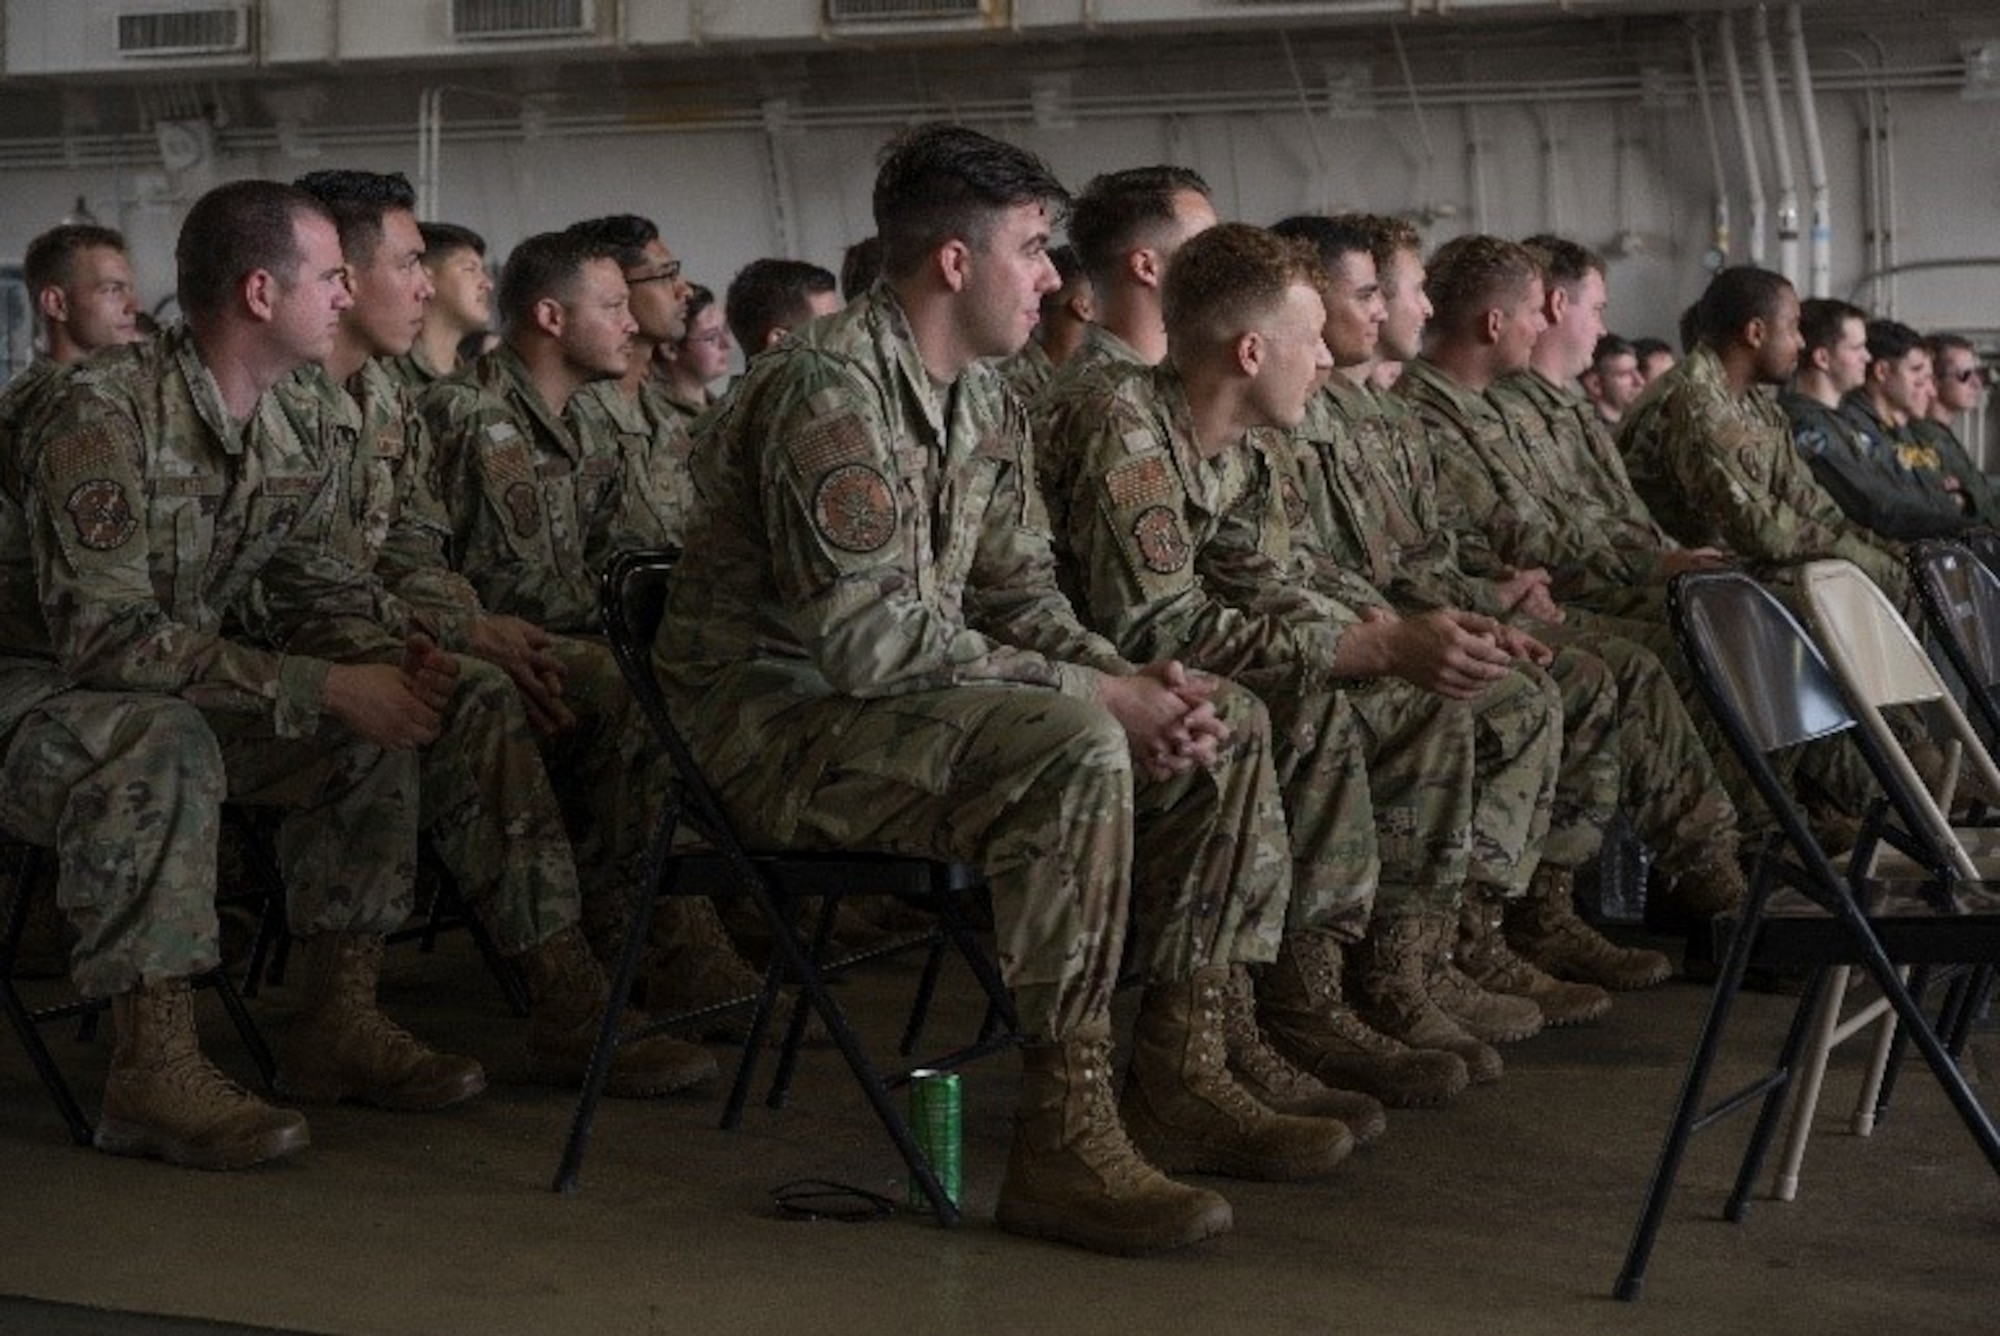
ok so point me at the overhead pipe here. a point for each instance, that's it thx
(1781, 148)
(1719, 238)
(1739, 106)
(1821, 234)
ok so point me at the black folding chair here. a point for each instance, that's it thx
(1960, 596)
(23, 864)
(1770, 690)
(633, 596)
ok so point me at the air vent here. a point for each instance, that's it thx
(508, 20)
(217, 30)
(907, 11)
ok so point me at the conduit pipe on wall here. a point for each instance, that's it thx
(1739, 106)
(1821, 235)
(1719, 238)
(1781, 148)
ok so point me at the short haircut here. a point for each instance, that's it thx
(547, 264)
(1471, 275)
(939, 182)
(441, 239)
(1939, 344)
(51, 258)
(1229, 276)
(1120, 210)
(1822, 320)
(1891, 341)
(700, 298)
(771, 294)
(622, 236)
(860, 266)
(1334, 238)
(234, 231)
(1564, 263)
(1387, 238)
(1735, 297)
(1610, 346)
(1068, 267)
(359, 201)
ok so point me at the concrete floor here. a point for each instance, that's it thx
(1506, 1213)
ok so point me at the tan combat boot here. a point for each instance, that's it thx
(1186, 1114)
(164, 1100)
(1391, 980)
(1302, 1007)
(343, 1047)
(569, 992)
(1072, 1174)
(1543, 926)
(1492, 973)
(1713, 883)
(695, 966)
(1274, 1081)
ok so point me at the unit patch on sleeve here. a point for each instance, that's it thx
(854, 508)
(524, 508)
(1162, 545)
(103, 518)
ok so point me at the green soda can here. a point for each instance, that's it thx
(936, 1124)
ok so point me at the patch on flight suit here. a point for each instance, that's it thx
(1811, 442)
(854, 508)
(524, 508)
(1162, 545)
(1140, 482)
(103, 518)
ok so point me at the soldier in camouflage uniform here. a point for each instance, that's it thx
(1181, 543)
(1712, 437)
(166, 482)
(1852, 457)
(461, 305)
(541, 496)
(867, 649)
(1372, 502)
(487, 804)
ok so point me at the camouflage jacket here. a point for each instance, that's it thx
(536, 505)
(1731, 477)
(1371, 495)
(1103, 359)
(1187, 556)
(386, 516)
(653, 448)
(864, 534)
(1029, 371)
(1498, 483)
(27, 401)
(1617, 539)
(1860, 471)
(413, 371)
(151, 515)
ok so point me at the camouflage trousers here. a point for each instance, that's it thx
(611, 781)
(492, 815)
(1038, 790)
(1517, 760)
(1668, 782)
(1589, 780)
(127, 788)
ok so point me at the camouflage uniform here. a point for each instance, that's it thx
(653, 442)
(1028, 372)
(1859, 469)
(413, 371)
(128, 713)
(867, 649)
(486, 800)
(1185, 556)
(1724, 473)
(538, 508)
(1649, 756)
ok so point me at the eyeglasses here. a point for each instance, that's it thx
(667, 273)
(715, 338)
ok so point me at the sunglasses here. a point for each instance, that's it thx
(1968, 375)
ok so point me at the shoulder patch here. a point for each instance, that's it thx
(1146, 481)
(523, 508)
(828, 443)
(1162, 545)
(854, 509)
(499, 433)
(103, 517)
(1293, 499)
